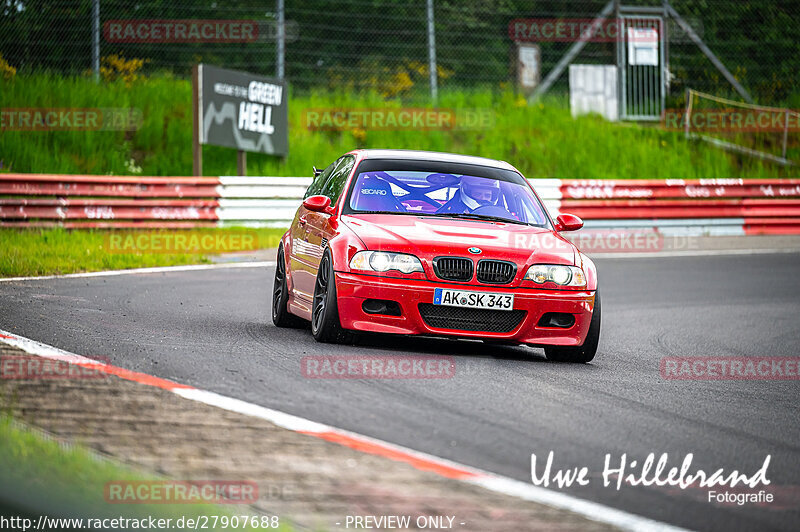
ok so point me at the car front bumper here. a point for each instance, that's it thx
(353, 289)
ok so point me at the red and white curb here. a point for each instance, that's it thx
(365, 444)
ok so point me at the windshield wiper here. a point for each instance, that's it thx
(485, 217)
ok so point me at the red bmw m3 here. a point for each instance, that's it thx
(411, 242)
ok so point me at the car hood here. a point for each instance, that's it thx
(428, 237)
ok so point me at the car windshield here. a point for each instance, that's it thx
(446, 194)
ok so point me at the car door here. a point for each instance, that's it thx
(301, 255)
(320, 230)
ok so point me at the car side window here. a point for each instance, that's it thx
(334, 186)
(316, 185)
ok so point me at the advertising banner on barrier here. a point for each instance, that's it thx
(244, 111)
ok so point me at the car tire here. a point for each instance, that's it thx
(584, 353)
(280, 296)
(325, 324)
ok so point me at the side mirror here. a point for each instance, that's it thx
(317, 203)
(568, 222)
(317, 171)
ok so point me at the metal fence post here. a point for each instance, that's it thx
(281, 40)
(197, 120)
(688, 114)
(96, 39)
(432, 54)
(665, 46)
(785, 135)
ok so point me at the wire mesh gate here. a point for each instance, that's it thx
(641, 60)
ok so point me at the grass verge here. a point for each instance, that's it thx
(542, 140)
(29, 252)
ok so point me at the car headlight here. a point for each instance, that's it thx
(560, 275)
(382, 261)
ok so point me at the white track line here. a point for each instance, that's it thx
(499, 484)
(159, 269)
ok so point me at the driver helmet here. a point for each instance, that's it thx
(479, 191)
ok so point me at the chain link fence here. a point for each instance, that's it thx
(384, 45)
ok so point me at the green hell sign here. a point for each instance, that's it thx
(243, 111)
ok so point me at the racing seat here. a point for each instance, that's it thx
(375, 194)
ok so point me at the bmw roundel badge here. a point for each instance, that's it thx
(475, 251)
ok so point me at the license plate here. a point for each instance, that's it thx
(465, 298)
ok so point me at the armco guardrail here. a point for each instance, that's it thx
(710, 206)
(146, 202)
(683, 206)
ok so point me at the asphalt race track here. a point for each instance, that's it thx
(211, 329)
